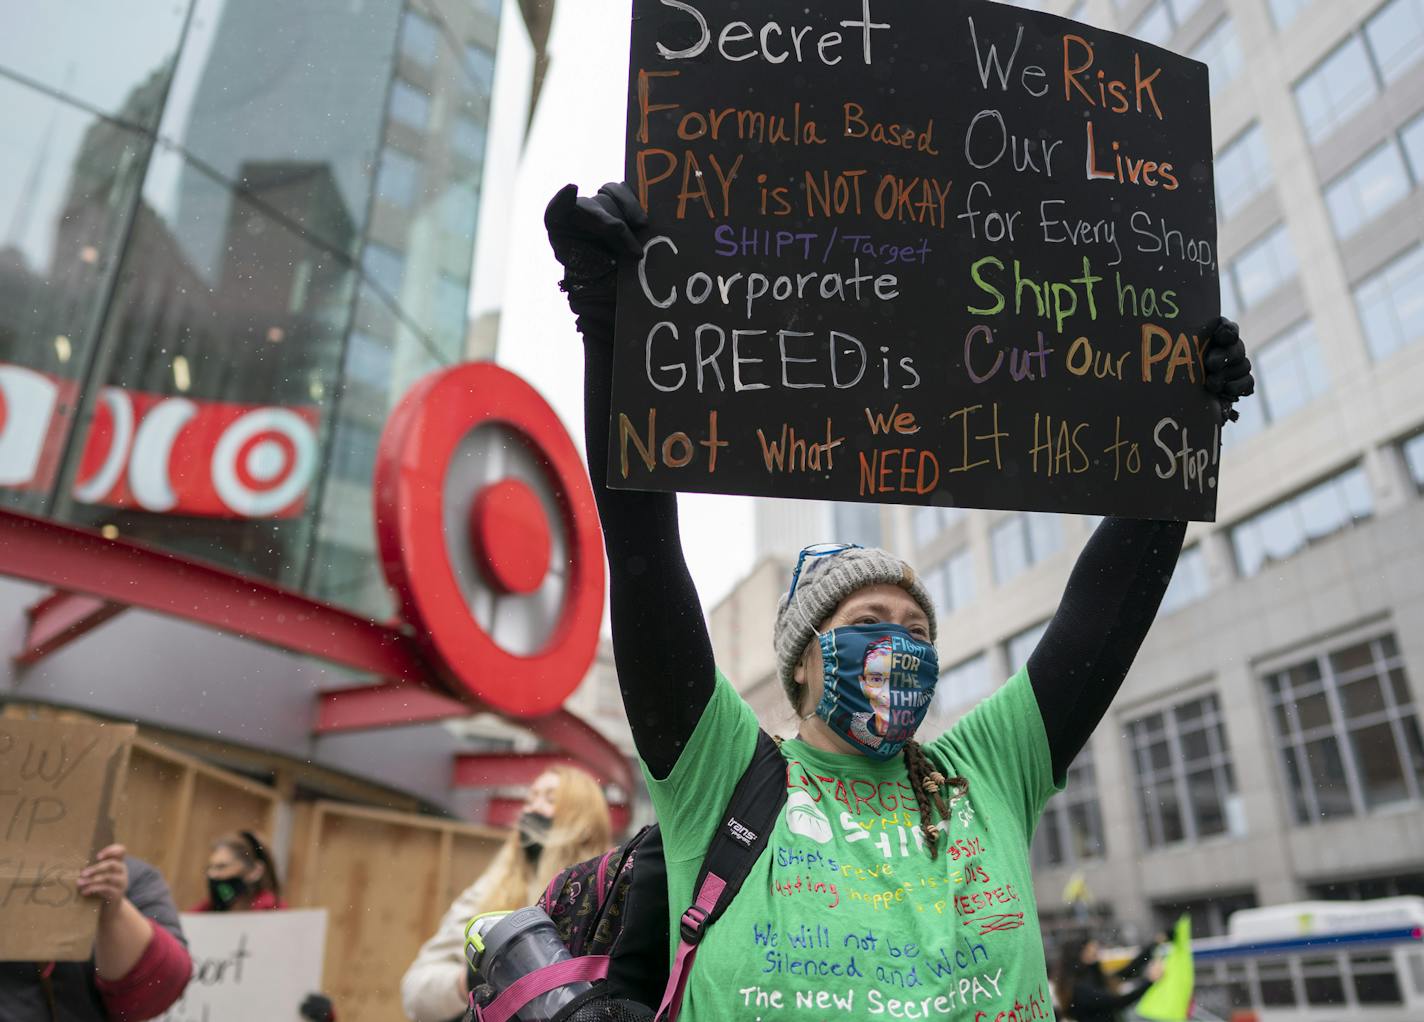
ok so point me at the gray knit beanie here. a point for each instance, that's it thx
(824, 583)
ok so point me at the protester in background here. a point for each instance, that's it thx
(564, 821)
(140, 964)
(241, 876)
(1089, 993)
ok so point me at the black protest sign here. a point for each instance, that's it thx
(950, 253)
(60, 782)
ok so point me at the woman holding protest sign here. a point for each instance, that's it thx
(564, 820)
(140, 964)
(896, 881)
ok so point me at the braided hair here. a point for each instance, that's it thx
(928, 784)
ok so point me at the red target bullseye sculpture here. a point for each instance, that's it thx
(489, 536)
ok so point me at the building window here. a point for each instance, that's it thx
(1293, 524)
(1022, 540)
(1263, 266)
(409, 105)
(1156, 25)
(951, 582)
(1220, 51)
(1413, 449)
(961, 686)
(1411, 136)
(1396, 37)
(398, 178)
(1243, 171)
(1283, 12)
(1162, 19)
(1183, 9)
(1347, 730)
(1368, 888)
(1189, 582)
(1391, 304)
(929, 521)
(368, 359)
(1339, 87)
(419, 39)
(479, 62)
(1355, 71)
(354, 452)
(467, 138)
(1021, 646)
(856, 523)
(1290, 373)
(1071, 827)
(1211, 914)
(451, 298)
(1185, 785)
(1367, 189)
(384, 266)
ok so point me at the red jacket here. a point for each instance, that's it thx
(263, 901)
(73, 991)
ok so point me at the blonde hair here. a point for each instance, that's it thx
(581, 830)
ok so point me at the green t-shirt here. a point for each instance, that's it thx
(845, 916)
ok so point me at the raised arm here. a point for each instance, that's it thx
(1114, 592)
(660, 643)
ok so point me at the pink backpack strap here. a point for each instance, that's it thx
(523, 990)
(603, 876)
(547, 902)
(691, 935)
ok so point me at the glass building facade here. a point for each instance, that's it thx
(232, 235)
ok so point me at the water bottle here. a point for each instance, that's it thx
(511, 947)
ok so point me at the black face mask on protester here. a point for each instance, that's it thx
(533, 831)
(223, 894)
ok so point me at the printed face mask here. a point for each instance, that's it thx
(879, 680)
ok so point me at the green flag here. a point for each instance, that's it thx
(1170, 998)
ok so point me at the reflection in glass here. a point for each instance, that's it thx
(68, 184)
(263, 314)
(96, 53)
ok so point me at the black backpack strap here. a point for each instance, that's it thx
(735, 847)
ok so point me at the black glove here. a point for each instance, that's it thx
(318, 1008)
(589, 235)
(1228, 370)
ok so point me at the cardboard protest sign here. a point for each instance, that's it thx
(950, 253)
(60, 782)
(250, 965)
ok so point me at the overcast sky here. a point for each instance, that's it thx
(578, 136)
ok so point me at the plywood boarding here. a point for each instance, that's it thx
(157, 792)
(386, 879)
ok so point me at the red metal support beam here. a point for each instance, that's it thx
(394, 704)
(60, 618)
(585, 743)
(117, 571)
(88, 567)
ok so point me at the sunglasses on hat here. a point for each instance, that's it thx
(816, 550)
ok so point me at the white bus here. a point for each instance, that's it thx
(1316, 961)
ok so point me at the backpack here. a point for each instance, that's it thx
(611, 911)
